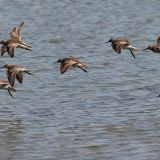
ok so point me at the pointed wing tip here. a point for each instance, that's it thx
(85, 71)
(62, 72)
(22, 23)
(11, 52)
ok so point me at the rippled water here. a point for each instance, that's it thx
(110, 113)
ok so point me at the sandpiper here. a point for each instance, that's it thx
(15, 41)
(5, 85)
(70, 62)
(15, 72)
(122, 43)
(155, 48)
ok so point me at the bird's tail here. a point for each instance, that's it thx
(26, 46)
(28, 71)
(132, 48)
(83, 67)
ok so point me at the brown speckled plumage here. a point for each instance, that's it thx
(15, 41)
(122, 43)
(66, 63)
(15, 72)
(155, 48)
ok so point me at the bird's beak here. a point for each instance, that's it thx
(106, 41)
(2, 67)
(145, 49)
(56, 62)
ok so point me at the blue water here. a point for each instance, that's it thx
(110, 113)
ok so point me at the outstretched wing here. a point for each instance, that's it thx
(82, 66)
(16, 31)
(4, 84)
(10, 78)
(11, 52)
(19, 77)
(116, 47)
(64, 67)
(11, 75)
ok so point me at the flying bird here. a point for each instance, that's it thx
(156, 47)
(15, 72)
(5, 85)
(15, 41)
(122, 43)
(70, 62)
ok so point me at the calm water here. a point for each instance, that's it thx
(110, 113)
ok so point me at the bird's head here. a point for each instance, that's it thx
(110, 40)
(3, 42)
(5, 66)
(149, 47)
(59, 60)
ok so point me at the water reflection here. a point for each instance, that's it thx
(10, 133)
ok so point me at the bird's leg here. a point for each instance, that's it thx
(132, 53)
(10, 93)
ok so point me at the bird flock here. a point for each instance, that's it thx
(15, 72)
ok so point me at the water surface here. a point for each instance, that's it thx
(110, 113)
